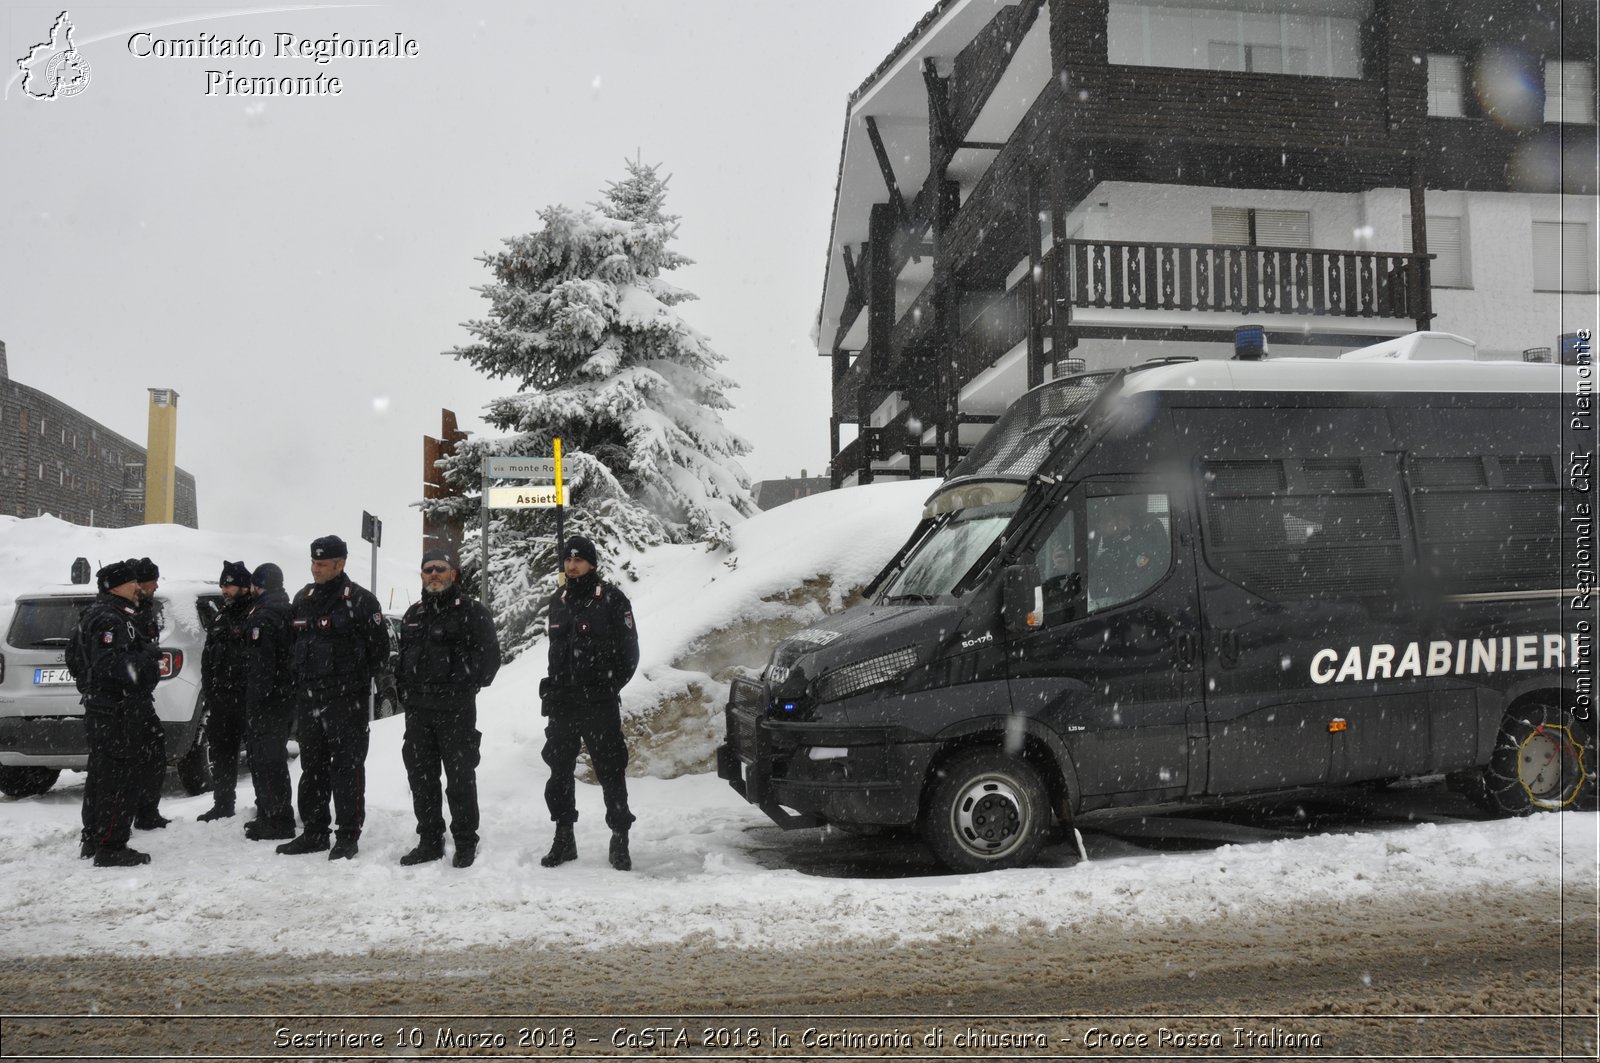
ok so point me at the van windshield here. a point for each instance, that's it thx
(949, 549)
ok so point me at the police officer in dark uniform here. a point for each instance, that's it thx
(341, 642)
(594, 650)
(121, 667)
(269, 705)
(223, 668)
(448, 652)
(153, 750)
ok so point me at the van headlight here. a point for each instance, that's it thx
(863, 675)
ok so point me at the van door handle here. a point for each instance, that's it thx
(1228, 647)
(1186, 649)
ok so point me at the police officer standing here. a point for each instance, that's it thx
(594, 650)
(153, 749)
(269, 705)
(120, 666)
(448, 652)
(340, 643)
(222, 680)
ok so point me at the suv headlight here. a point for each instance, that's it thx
(863, 675)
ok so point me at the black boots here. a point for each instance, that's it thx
(123, 857)
(306, 843)
(427, 850)
(465, 855)
(344, 847)
(150, 821)
(619, 851)
(218, 811)
(564, 848)
(264, 830)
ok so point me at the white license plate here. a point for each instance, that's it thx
(51, 677)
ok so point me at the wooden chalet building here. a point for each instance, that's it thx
(1034, 187)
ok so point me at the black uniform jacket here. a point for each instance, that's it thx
(594, 646)
(123, 662)
(225, 661)
(270, 641)
(448, 650)
(341, 640)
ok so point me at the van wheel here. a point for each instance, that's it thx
(985, 811)
(1541, 762)
(194, 767)
(27, 782)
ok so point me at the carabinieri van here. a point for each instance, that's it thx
(1189, 582)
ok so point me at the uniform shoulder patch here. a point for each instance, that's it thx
(627, 618)
(107, 638)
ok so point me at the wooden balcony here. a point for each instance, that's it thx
(1329, 286)
(1110, 274)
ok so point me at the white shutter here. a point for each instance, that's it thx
(1568, 91)
(1444, 86)
(1230, 225)
(1283, 228)
(1561, 259)
(1449, 268)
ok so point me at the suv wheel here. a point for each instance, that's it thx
(194, 767)
(27, 782)
(985, 811)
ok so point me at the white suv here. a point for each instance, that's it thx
(41, 718)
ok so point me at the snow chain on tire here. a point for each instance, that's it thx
(1542, 761)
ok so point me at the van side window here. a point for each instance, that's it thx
(1485, 524)
(1060, 567)
(1301, 528)
(1129, 547)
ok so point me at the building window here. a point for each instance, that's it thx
(1568, 91)
(1316, 37)
(1562, 257)
(1449, 267)
(1260, 228)
(1445, 81)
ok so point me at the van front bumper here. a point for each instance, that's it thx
(808, 774)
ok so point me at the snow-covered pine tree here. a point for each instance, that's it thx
(582, 320)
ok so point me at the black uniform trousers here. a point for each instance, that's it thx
(152, 758)
(447, 738)
(225, 728)
(117, 770)
(333, 762)
(267, 754)
(597, 724)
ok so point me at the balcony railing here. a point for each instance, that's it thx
(1111, 274)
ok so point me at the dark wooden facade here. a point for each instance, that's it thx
(56, 460)
(1096, 122)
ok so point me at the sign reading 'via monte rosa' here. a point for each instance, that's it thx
(523, 468)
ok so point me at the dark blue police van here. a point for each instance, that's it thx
(1194, 581)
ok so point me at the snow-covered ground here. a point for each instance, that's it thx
(705, 869)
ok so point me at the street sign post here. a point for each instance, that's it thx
(543, 491)
(372, 532)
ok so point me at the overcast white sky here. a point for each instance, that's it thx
(293, 267)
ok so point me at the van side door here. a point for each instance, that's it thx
(1304, 584)
(1114, 666)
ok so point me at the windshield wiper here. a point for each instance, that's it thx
(921, 599)
(55, 640)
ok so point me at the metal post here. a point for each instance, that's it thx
(483, 539)
(372, 580)
(561, 538)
